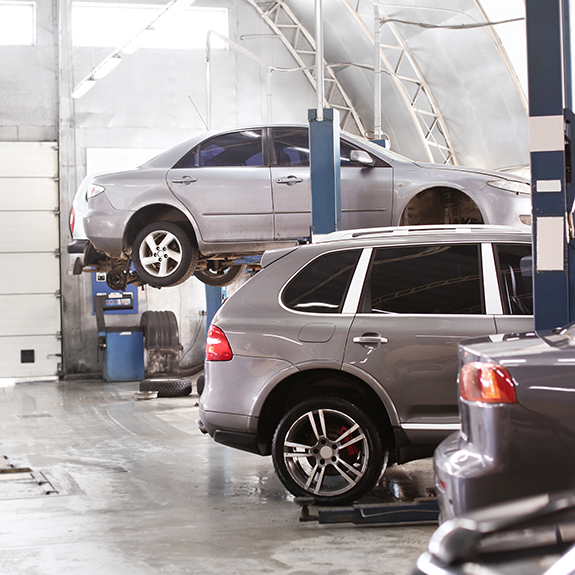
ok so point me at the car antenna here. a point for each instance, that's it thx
(196, 108)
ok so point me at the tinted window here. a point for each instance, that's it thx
(515, 278)
(321, 286)
(291, 146)
(429, 280)
(236, 149)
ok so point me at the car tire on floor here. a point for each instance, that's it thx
(167, 387)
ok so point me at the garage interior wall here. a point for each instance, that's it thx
(157, 98)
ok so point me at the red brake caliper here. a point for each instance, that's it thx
(352, 449)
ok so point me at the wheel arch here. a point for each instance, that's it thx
(436, 203)
(156, 213)
(308, 384)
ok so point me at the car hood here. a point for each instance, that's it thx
(488, 173)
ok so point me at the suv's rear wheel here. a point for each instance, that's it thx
(329, 449)
(163, 254)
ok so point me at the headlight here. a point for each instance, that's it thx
(510, 186)
(94, 190)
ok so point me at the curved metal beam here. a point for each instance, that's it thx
(301, 45)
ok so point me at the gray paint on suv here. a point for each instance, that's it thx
(369, 319)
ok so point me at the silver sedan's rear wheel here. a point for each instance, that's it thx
(329, 449)
(219, 273)
(163, 254)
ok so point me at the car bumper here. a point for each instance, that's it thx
(105, 225)
(233, 396)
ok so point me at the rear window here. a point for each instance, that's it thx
(443, 279)
(321, 286)
(515, 268)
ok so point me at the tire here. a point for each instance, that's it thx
(167, 387)
(219, 274)
(200, 384)
(170, 241)
(328, 469)
(160, 330)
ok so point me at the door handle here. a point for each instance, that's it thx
(290, 180)
(370, 339)
(184, 180)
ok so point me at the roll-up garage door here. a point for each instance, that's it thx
(30, 319)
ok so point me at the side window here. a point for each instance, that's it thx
(321, 286)
(291, 146)
(441, 279)
(235, 149)
(514, 265)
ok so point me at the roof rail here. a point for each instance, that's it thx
(408, 230)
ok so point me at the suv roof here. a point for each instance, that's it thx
(428, 231)
(406, 234)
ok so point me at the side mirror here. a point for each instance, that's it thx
(361, 157)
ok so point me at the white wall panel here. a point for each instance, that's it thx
(45, 362)
(29, 242)
(35, 272)
(28, 231)
(28, 194)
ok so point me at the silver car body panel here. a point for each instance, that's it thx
(248, 210)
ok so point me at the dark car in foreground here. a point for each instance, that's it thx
(517, 437)
(203, 204)
(530, 536)
(340, 356)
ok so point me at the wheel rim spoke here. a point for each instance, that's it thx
(151, 243)
(149, 261)
(357, 438)
(292, 445)
(164, 267)
(176, 256)
(319, 483)
(167, 240)
(311, 476)
(322, 422)
(313, 425)
(349, 467)
(346, 433)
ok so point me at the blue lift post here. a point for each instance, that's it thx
(550, 122)
(325, 171)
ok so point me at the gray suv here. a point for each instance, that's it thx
(341, 356)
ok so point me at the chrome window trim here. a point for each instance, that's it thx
(438, 426)
(355, 290)
(491, 291)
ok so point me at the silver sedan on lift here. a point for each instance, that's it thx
(203, 204)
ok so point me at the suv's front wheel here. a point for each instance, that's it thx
(329, 449)
(163, 254)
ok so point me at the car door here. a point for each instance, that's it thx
(225, 183)
(418, 303)
(366, 191)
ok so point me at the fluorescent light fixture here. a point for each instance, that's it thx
(83, 87)
(106, 67)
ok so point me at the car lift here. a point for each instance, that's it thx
(420, 511)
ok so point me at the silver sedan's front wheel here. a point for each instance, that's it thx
(163, 254)
(329, 449)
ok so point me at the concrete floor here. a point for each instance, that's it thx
(141, 491)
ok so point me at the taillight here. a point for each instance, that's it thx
(486, 382)
(217, 345)
(72, 220)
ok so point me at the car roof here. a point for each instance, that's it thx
(431, 233)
